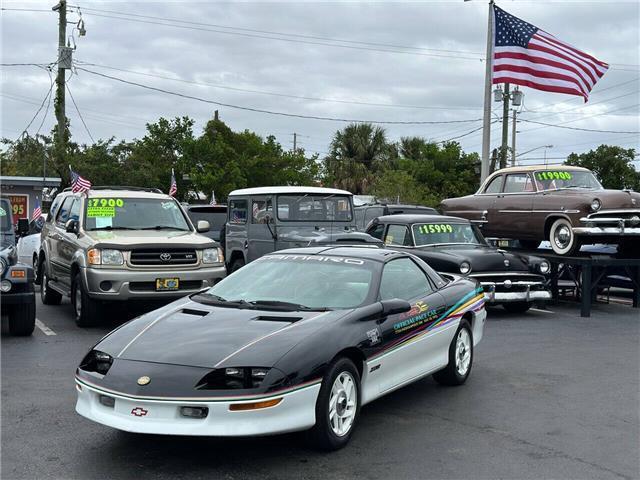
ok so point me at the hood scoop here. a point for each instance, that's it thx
(197, 313)
(276, 318)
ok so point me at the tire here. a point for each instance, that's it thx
(563, 240)
(517, 307)
(47, 295)
(329, 432)
(237, 264)
(22, 319)
(459, 367)
(85, 309)
(35, 262)
(529, 244)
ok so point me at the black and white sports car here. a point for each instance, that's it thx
(299, 339)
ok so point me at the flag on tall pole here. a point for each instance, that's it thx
(78, 183)
(173, 189)
(37, 211)
(526, 55)
(213, 198)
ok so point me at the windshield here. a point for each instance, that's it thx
(434, 233)
(115, 213)
(5, 217)
(556, 179)
(311, 281)
(314, 208)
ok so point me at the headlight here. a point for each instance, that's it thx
(5, 286)
(96, 256)
(595, 205)
(465, 267)
(97, 361)
(212, 255)
(544, 267)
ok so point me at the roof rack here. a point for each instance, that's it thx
(117, 187)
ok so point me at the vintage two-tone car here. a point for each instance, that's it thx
(562, 204)
(455, 245)
(299, 339)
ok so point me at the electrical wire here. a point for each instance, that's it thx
(79, 114)
(47, 96)
(572, 128)
(50, 94)
(272, 112)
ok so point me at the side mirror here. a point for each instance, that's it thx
(71, 226)
(202, 226)
(23, 226)
(395, 306)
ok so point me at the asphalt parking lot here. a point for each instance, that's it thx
(552, 395)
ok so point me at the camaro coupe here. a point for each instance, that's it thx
(455, 245)
(296, 340)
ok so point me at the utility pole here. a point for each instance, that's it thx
(513, 139)
(505, 127)
(486, 118)
(61, 117)
(295, 141)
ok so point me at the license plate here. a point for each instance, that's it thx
(164, 284)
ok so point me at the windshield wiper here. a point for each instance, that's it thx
(287, 305)
(211, 299)
(110, 227)
(165, 227)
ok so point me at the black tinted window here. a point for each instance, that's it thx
(377, 231)
(63, 214)
(403, 279)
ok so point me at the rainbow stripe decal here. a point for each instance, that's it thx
(473, 301)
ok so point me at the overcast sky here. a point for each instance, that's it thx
(415, 61)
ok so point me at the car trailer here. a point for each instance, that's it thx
(587, 272)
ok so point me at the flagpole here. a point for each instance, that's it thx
(486, 120)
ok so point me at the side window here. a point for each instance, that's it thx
(377, 231)
(403, 279)
(398, 235)
(54, 208)
(371, 213)
(260, 209)
(238, 211)
(518, 183)
(495, 185)
(63, 213)
(74, 212)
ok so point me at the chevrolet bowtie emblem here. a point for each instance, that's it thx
(144, 380)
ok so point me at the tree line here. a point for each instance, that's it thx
(361, 159)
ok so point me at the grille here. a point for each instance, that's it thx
(169, 256)
(151, 286)
(519, 283)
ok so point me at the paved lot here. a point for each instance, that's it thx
(552, 395)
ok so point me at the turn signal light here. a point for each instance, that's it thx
(239, 407)
(18, 274)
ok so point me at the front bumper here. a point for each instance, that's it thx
(295, 412)
(136, 284)
(21, 298)
(608, 223)
(493, 297)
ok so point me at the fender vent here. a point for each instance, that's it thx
(198, 313)
(275, 318)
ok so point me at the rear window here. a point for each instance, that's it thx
(314, 208)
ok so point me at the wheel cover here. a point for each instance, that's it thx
(463, 352)
(43, 286)
(563, 237)
(343, 403)
(77, 303)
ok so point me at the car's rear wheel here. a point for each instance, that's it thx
(563, 240)
(86, 309)
(460, 358)
(337, 407)
(35, 262)
(517, 307)
(22, 319)
(48, 295)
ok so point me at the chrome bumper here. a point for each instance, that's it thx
(610, 223)
(527, 295)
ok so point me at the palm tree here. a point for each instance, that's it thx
(358, 152)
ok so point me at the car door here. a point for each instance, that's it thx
(261, 232)
(514, 206)
(55, 238)
(408, 341)
(68, 245)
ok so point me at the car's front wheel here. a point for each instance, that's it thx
(460, 358)
(48, 295)
(338, 406)
(563, 240)
(86, 309)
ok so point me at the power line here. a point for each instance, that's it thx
(272, 112)
(25, 9)
(46, 97)
(572, 128)
(79, 114)
(277, 94)
(44, 117)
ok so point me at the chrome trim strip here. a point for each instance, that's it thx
(603, 231)
(502, 274)
(539, 211)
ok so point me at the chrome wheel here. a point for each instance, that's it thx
(563, 237)
(77, 301)
(463, 352)
(343, 403)
(44, 284)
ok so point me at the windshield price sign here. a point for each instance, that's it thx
(553, 175)
(103, 207)
(19, 207)
(435, 228)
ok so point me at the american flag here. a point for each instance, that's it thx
(213, 198)
(525, 55)
(79, 183)
(173, 189)
(37, 211)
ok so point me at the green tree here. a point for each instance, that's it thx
(611, 164)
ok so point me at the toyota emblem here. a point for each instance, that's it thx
(139, 412)
(165, 257)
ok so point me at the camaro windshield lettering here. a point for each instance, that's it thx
(317, 258)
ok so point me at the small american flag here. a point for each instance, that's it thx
(213, 198)
(173, 189)
(525, 55)
(37, 211)
(79, 183)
